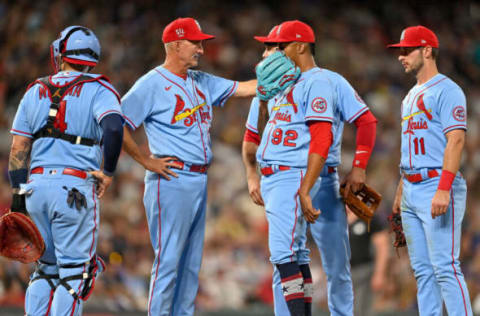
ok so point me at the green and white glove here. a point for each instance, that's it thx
(275, 73)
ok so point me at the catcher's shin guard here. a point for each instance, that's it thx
(40, 291)
(91, 270)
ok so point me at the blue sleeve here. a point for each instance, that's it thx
(352, 105)
(20, 124)
(319, 101)
(220, 89)
(106, 102)
(453, 110)
(137, 104)
(252, 120)
(112, 126)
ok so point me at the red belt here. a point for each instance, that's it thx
(193, 168)
(266, 171)
(417, 177)
(68, 171)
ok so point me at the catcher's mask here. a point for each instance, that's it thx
(76, 45)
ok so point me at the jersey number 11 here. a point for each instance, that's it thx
(419, 141)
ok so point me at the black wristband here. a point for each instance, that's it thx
(18, 203)
(17, 176)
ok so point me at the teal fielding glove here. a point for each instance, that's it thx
(275, 73)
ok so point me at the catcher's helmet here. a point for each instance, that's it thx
(76, 45)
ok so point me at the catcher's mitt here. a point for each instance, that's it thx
(275, 73)
(363, 203)
(396, 227)
(19, 238)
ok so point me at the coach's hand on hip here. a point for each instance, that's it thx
(162, 166)
(103, 182)
(440, 202)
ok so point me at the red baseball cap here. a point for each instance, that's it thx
(270, 38)
(417, 36)
(184, 29)
(294, 31)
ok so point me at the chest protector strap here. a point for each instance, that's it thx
(56, 95)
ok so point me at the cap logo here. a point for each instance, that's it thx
(298, 36)
(180, 32)
(402, 37)
(198, 24)
(423, 41)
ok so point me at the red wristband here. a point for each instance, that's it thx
(362, 154)
(446, 180)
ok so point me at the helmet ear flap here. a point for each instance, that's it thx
(55, 55)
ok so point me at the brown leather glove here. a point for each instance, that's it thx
(363, 203)
(19, 238)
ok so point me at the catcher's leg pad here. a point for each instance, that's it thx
(86, 273)
(41, 289)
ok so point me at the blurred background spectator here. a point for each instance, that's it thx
(351, 39)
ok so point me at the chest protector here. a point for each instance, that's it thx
(56, 95)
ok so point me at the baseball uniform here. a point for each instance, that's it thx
(282, 155)
(330, 230)
(56, 168)
(177, 114)
(429, 111)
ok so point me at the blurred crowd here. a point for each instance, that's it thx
(351, 40)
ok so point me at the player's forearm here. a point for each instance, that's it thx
(18, 161)
(451, 159)
(262, 116)
(365, 139)
(112, 142)
(314, 168)
(320, 142)
(131, 147)
(381, 243)
(249, 151)
(246, 89)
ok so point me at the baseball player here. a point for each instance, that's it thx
(175, 105)
(331, 226)
(330, 230)
(59, 125)
(431, 194)
(291, 154)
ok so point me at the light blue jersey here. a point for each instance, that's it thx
(429, 111)
(177, 116)
(95, 99)
(343, 104)
(177, 112)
